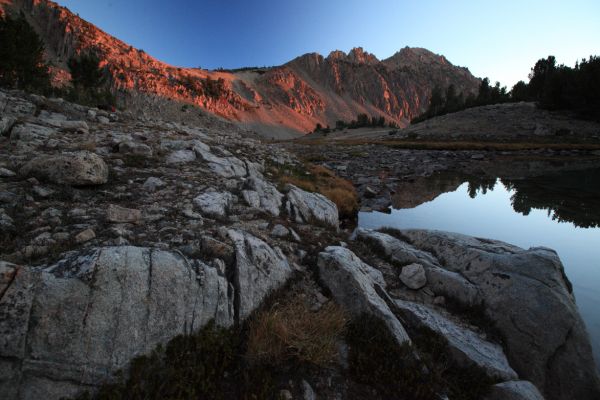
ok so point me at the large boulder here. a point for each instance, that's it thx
(259, 270)
(31, 133)
(358, 287)
(70, 326)
(467, 347)
(214, 204)
(77, 169)
(306, 207)
(528, 297)
(262, 194)
(225, 167)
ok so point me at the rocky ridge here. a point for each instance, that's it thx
(290, 99)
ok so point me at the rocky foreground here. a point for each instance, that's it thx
(118, 234)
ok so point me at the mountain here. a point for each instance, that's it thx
(291, 98)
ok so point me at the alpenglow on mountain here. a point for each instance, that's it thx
(293, 98)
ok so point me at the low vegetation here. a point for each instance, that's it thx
(290, 331)
(418, 372)
(89, 83)
(233, 363)
(472, 145)
(316, 178)
(361, 121)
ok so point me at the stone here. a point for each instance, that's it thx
(370, 193)
(524, 292)
(448, 283)
(6, 222)
(214, 248)
(226, 167)
(269, 198)
(514, 390)
(262, 194)
(6, 124)
(75, 126)
(214, 204)
(181, 157)
(103, 120)
(285, 394)
(308, 392)
(30, 132)
(97, 311)
(280, 231)
(252, 198)
(118, 214)
(85, 236)
(6, 173)
(358, 287)
(467, 348)
(413, 276)
(306, 207)
(259, 269)
(136, 149)
(42, 191)
(76, 169)
(152, 184)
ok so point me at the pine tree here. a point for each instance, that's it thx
(22, 63)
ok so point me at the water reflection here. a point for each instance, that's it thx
(570, 196)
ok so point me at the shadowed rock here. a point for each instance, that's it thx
(527, 296)
(357, 286)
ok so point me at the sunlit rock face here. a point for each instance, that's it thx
(310, 89)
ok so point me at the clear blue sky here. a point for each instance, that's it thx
(500, 39)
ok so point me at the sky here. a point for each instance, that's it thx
(499, 39)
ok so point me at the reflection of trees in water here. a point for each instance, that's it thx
(482, 185)
(572, 196)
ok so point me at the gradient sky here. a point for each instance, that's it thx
(500, 39)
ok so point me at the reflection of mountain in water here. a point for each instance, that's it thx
(570, 196)
(419, 190)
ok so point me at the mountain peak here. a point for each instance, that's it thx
(359, 56)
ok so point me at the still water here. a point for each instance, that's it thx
(560, 211)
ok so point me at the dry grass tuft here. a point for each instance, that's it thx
(290, 331)
(319, 179)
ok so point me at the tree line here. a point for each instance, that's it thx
(361, 121)
(551, 86)
(22, 66)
